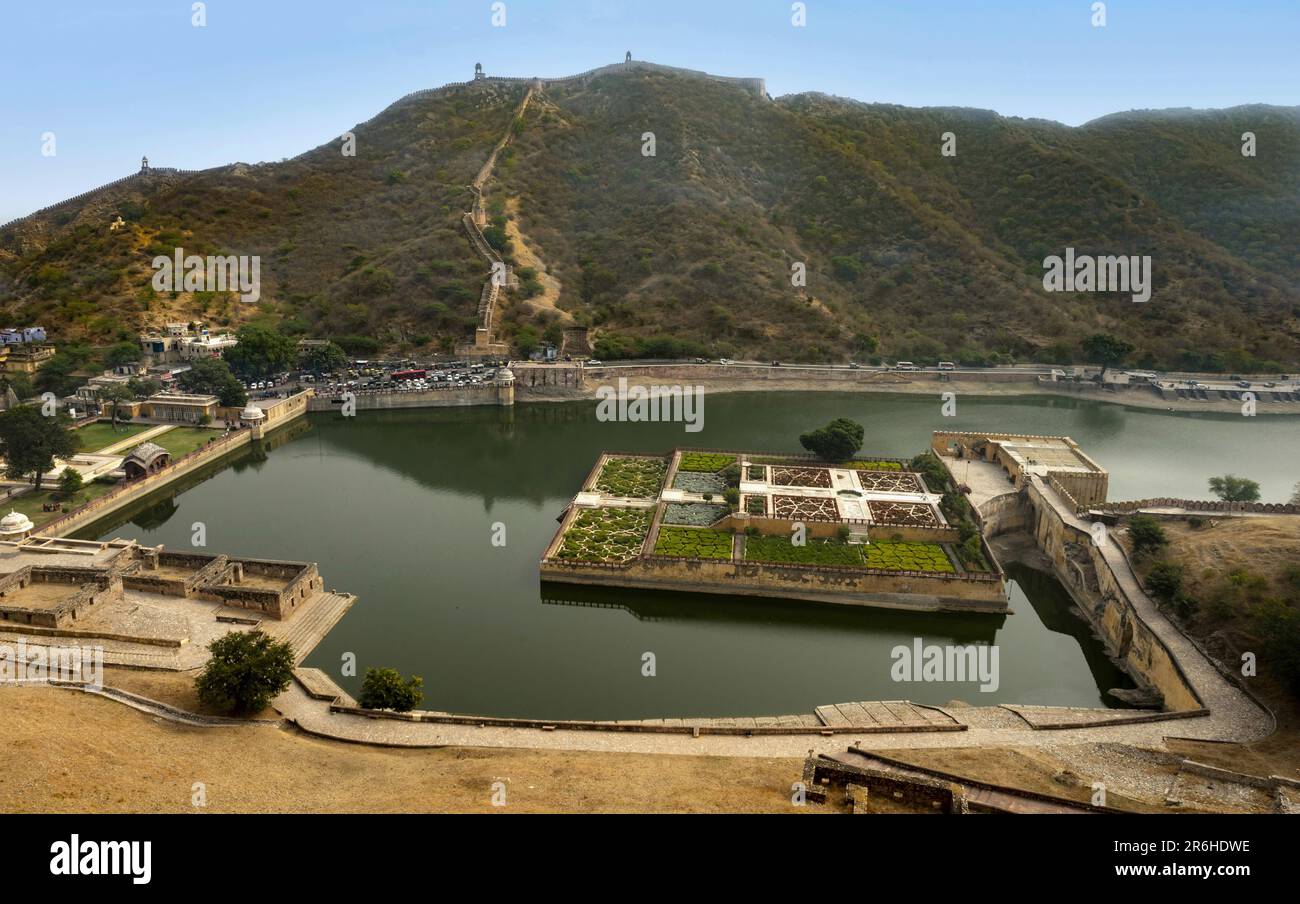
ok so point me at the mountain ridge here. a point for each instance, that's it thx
(408, 285)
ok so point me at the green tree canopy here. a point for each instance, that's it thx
(115, 397)
(324, 359)
(245, 673)
(30, 441)
(122, 353)
(261, 353)
(385, 689)
(1106, 350)
(1234, 489)
(70, 482)
(1146, 534)
(838, 440)
(213, 376)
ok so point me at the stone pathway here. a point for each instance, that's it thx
(132, 441)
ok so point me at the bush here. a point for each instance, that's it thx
(1165, 581)
(1146, 535)
(1279, 626)
(732, 496)
(385, 689)
(245, 673)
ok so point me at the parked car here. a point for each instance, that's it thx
(947, 365)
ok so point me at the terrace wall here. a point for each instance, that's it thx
(845, 586)
(86, 587)
(1076, 558)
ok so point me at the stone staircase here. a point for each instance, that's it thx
(311, 623)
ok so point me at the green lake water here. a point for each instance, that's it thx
(399, 508)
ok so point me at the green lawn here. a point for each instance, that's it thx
(30, 503)
(96, 436)
(181, 441)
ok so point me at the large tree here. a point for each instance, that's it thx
(122, 353)
(324, 359)
(1106, 350)
(245, 672)
(1234, 489)
(115, 397)
(261, 353)
(213, 376)
(838, 440)
(30, 441)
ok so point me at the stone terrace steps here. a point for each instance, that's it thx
(321, 686)
(886, 715)
(311, 623)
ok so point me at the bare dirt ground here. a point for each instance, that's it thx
(70, 752)
(65, 751)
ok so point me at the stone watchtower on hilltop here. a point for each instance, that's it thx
(144, 165)
(629, 58)
(478, 72)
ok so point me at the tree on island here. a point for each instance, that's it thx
(246, 671)
(213, 376)
(30, 441)
(837, 441)
(1107, 350)
(1234, 489)
(1295, 495)
(385, 689)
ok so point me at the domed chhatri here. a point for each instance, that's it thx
(145, 459)
(252, 414)
(15, 526)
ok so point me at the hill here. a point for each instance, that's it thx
(909, 254)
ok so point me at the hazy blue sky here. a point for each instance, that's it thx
(267, 79)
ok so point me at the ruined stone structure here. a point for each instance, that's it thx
(1057, 458)
(53, 597)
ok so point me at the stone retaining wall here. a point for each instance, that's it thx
(1107, 605)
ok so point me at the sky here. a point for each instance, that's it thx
(263, 80)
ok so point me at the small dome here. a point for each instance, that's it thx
(252, 413)
(15, 523)
(505, 375)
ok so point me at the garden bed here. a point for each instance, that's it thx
(899, 556)
(801, 477)
(815, 552)
(872, 466)
(880, 482)
(704, 462)
(610, 535)
(909, 514)
(694, 514)
(632, 478)
(693, 543)
(695, 482)
(805, 508)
